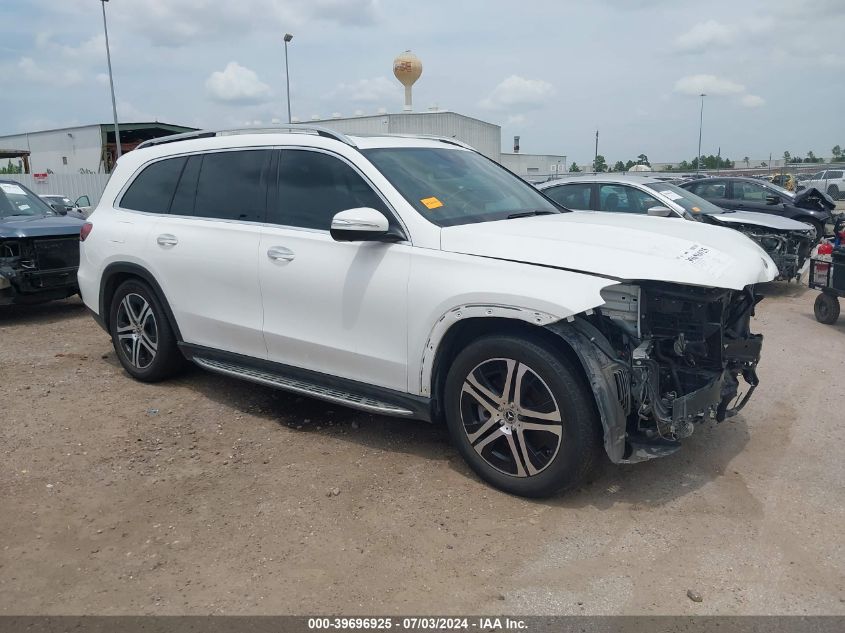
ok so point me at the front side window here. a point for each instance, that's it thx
(152, 191)
(709, 190)
(233, 185)
(455, 186)
(623, 199)
(750, 192)
(314, 186)
(571, 196)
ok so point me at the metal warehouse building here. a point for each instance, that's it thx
(483, 136)
(86, 149)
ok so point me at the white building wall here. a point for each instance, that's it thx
(483, 136)
(71, 185)
(535, 167)
(80, 147)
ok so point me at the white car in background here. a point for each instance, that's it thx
(831, 181)
(415, 277)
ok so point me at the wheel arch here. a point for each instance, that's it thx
(118, 272)
(583, 347)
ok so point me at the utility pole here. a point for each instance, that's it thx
(700, 124)
(111, 83)
(288, 38)
(596, 157)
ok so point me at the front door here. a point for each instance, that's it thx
(338, 308)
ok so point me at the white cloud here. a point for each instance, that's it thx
(516, 119)
(518, 92)
(237, 84)
(32, 71)
(378, 89)
(704, 34)
(752, 101)
(708, 84)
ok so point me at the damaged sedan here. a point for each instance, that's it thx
(788, 242)
(39, 248)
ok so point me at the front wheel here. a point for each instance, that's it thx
(521, 417)
(826, 308)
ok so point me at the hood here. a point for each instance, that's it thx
(812, 198)
(759, 219)
(39, 225)
(619, 246)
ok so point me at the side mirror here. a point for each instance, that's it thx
(662, 212)
(772, 199)
(59, 208)
(363, 224)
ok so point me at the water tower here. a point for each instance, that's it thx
(407, 68)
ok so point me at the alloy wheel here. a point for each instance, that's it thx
(137, 332)
(511, 417)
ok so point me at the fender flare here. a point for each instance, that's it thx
(610, 380)
(142, 273)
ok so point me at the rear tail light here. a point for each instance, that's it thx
(85, 231)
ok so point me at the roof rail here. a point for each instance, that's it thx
(293, 127)
(430, 137)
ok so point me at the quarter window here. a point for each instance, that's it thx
(233, 185)
(621, 199)
(314, 186)
(834, 174)
(571, 196)
(153, 189)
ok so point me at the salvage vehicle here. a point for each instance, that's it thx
(415, 277)
(39, 248)
(788, 242)
(749, 194)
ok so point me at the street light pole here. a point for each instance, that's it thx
(111, 83)
(288, 38)
(700, 122)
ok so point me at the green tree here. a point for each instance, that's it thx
(787, 157)
(684, 166)
(642, 159)
(574, 168)
(619, 166)
(764, 164)
(11, 168)
(837, 152)
(629, 164)
(747, 162)
(599, 164)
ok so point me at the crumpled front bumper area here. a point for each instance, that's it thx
(37, 270)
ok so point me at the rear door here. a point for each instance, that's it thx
(204, 253)
(577, 196)
(713, 190)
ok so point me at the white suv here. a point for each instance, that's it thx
(830, 181)
(415, 277)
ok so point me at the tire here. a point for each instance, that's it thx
(833, 192)
(826, 308)
(494, 435)
(141, 333)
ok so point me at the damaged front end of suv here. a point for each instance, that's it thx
(674, 355)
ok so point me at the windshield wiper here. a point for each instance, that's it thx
(527, 214)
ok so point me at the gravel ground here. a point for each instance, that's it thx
(210, 495)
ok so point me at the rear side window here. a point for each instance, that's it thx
(232, 185)
(153, 189)
(571, 196)
(834, 174)
(709, 190)
(186, 192)
(314, 186)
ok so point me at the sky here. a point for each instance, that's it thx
(551, 72)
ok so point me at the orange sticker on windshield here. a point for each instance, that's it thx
(696, 210)
(431, 203)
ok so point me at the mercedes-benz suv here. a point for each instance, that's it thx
(415, 277)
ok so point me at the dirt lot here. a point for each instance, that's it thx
(209, 495)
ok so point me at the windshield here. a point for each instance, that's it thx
(692, 204)
(780, 190)
(16, 200)
(450, 186)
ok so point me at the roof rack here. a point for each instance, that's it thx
(430, 137)
(293, 127)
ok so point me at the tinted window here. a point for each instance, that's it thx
(313, 187)
(153, 189)
(186, 191)
(750, 191)
(233, 185)
(705, 189)
(620, 199)
(834, 174)
(571, 196)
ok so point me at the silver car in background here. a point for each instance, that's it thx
(788, 242)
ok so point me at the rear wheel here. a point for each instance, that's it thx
(141, 334)
(826, 308)
(833, 192)
(521, 417)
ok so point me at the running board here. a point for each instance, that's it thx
(300, 386)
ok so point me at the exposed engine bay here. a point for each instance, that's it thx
(788, 249)
(38, 268)
(684, 350)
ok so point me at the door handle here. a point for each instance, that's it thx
(166, 239)
(280, 254)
